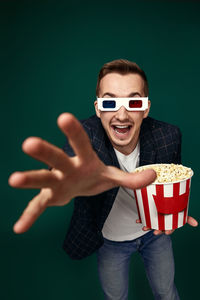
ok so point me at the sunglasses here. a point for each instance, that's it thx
(131, 104)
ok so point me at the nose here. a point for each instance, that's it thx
(122, 114)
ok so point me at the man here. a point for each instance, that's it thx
(105, 219)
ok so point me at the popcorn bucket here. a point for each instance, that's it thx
(164, 206)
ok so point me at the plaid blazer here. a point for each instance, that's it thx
(159, 143)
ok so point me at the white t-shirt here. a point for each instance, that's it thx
(120, 224)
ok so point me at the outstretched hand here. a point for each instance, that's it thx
(81, 175)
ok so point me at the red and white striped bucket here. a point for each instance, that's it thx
(164, 206)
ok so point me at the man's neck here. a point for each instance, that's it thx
(126, 150)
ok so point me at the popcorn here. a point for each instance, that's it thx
(168, 172)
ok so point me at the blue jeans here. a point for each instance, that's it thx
(157, 254)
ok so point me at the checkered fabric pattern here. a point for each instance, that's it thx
(159, 143)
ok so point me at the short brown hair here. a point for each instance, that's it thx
(123, 67)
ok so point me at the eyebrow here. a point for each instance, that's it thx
(114, 96)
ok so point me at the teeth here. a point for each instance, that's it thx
(121, 126)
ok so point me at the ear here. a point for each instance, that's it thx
(96, 109)
(146, 112)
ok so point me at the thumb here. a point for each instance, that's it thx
(191, 221)
(137, 180)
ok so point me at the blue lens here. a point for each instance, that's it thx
(109, 104)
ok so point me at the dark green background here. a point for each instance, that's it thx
(51, 52)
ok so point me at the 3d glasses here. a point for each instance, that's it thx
(131, 104)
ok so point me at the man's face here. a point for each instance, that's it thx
(122, 126)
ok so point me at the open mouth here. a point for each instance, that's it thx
(121, 129)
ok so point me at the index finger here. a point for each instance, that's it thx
(47, 153)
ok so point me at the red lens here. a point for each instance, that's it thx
(135, 103)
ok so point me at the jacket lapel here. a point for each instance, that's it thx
(147, 146)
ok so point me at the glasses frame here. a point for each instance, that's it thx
(123, 102)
